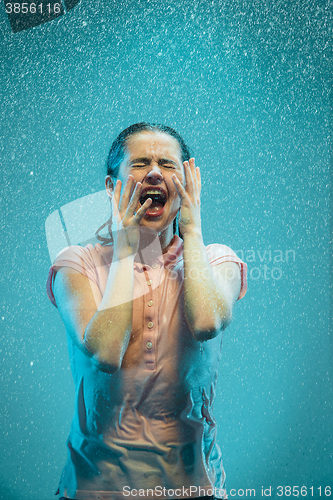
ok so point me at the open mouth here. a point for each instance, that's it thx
(159, 198)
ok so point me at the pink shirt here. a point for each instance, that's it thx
(150, 424)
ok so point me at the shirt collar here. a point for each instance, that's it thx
(174, 252)
(170, 258)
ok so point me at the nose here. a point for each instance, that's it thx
(154, 176)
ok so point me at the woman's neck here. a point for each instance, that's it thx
(153, 244)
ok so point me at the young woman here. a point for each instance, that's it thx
(144, 315)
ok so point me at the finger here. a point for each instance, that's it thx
(198, 177)
(115, 198)
(126, 195)
(179, 187)
(132, 188)
(133, 203)
(188, 166)
(196, 184)
(142, 210)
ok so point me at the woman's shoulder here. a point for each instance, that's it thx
(220, 250)
(88, 253)
(90, 260)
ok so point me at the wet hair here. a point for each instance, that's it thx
(117, 153)
(118, 147)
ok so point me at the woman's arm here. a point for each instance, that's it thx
(101, 326)
(210, 293)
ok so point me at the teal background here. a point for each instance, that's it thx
(247, 85)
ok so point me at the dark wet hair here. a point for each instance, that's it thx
(117, 150)
(117, 153)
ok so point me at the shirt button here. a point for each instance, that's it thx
(149, 282)
(149, 345)
(155, 265)
(150, 324)
(150, 303)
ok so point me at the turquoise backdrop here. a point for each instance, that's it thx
(247, 85)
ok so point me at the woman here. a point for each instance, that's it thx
(143, 317)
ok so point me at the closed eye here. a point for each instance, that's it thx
(168, 165)
(146, 162)
(164, 165)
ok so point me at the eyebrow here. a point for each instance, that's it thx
(146, 161)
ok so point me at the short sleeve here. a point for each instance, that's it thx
(217, 254)
(74, 257)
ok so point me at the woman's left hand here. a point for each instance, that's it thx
(189, 217)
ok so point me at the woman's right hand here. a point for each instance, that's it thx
(125, 219)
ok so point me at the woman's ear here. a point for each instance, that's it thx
(109, 186)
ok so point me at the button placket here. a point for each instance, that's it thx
(149, 333)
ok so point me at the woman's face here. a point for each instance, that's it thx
(152, 158)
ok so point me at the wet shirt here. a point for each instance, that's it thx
(149, 425)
